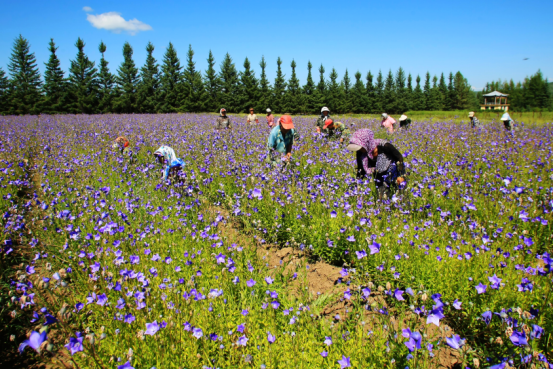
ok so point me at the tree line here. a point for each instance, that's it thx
(169, 87)
(532, 94)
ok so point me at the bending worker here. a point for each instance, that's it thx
(474, 122)
(379, 158)
(123, 145)
(223, 121)
(388, 122)
(281, 140)
(507, 121)
(336, 130)
(325, 114)
(166, 156)
(404, 121)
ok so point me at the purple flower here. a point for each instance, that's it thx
(455, 342)
(519, 338)
(457, 304)
(102, 299)
(495, 281)
(30, 269)
(269, 280)
(129, 318)
(481, 288)
(498, 366)
(487, 317)
(328, 341)
(345, 362)
(347, 294)
(197, 332)
(351, 239)
(361, 254)
(242, 341)
(333, 214)
(127, 365)
(79, 306)
(220, 258)
(537, 331)
(152, 328)
(241, 328)
(435, 316)
(75, 344)
(398, 294)
(275, 304)
(270, 337)
(250, 283)
(324, 354)
(375, 248)
(34, 341)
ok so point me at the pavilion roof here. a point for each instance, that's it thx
(496, 94)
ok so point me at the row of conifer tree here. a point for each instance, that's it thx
(169, 87)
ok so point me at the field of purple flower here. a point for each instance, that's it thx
(105, 266)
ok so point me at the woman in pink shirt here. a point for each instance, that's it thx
(270, 118)
(388, 122)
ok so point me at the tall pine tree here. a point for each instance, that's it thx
(359, 95)
(265, 98)
(371, 94)
(401, 105)
(170, 84)
(409, 92)
(55, 85)
(379, 94)
(345, 94)
(106, 82)
(334, 92)
(322, 90)
(212, 85)
(390, 94)
(294, 98)
(193, 87)
(25, 79)
(148, 87)
(418, 102)
(450, 101)
(127, 83)
(442, 87)
(309, 92)
(229, 85)
(83, 79)
(279, 89)
(4, 92)
(249, 88)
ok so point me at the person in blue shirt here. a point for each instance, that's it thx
(281, 140)
(166, 156)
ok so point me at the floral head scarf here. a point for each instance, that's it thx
(167, 152)
(365, 138)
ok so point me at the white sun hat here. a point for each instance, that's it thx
(325, 109)
(505, 117)
(354, 147)
(402, 118)
(268, 110)
(384, 115)
(471, 114)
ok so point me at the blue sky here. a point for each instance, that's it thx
(484, 40)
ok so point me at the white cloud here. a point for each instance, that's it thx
(114, 22)
(87, 9)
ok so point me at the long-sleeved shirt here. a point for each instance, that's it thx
(389, 155)
(388, 123)
(223, 122)
(270, 120)
(279, 142)
(252, 119)
(171, 160)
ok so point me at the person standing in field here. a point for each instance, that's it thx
(336, 130)
(379, 158)
(223, 121)
(281, 140)
(270, 118)
(388, 122)
(474, 122)
(404, 122)
(325, 114)
(507, 122)
(252, 118)
(167, 157)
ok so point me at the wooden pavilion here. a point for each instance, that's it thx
(498, 101)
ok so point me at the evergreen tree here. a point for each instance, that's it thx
(345, 96)
(418, 102)
(322, 90)
(442, 87)
(371, 94)
(25, 79)
(409, 92)
(83, 79)
(389, 96)
(106, 82)
(229, 85)
(4, 92)
(463, 92)
(334, 92)
(401, 105)
(127, 83)
(193, 88)
(148, 88)
(294, 97)
(434, 104)
(212, 85)
(450, 101)
(265, 98)
(249, 88)
(279, 89)
(359, 95)
(170, 86)
(426, 90)
(309, 92)
(55, 85)
(379, 94)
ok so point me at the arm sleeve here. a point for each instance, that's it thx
(395, 155)
(166, 172)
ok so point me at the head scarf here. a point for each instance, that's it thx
(168, 153)
(506, 117)
(365, 138)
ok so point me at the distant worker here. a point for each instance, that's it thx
(166, 156)
(223, 121)
(507, 121)
(474, 122)
(270, 118)
(325, 114)
(123, 145)
(281, 140)
(404, 122)
(379, 158)
(252, 118)
(336, 130)
(388, 122)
